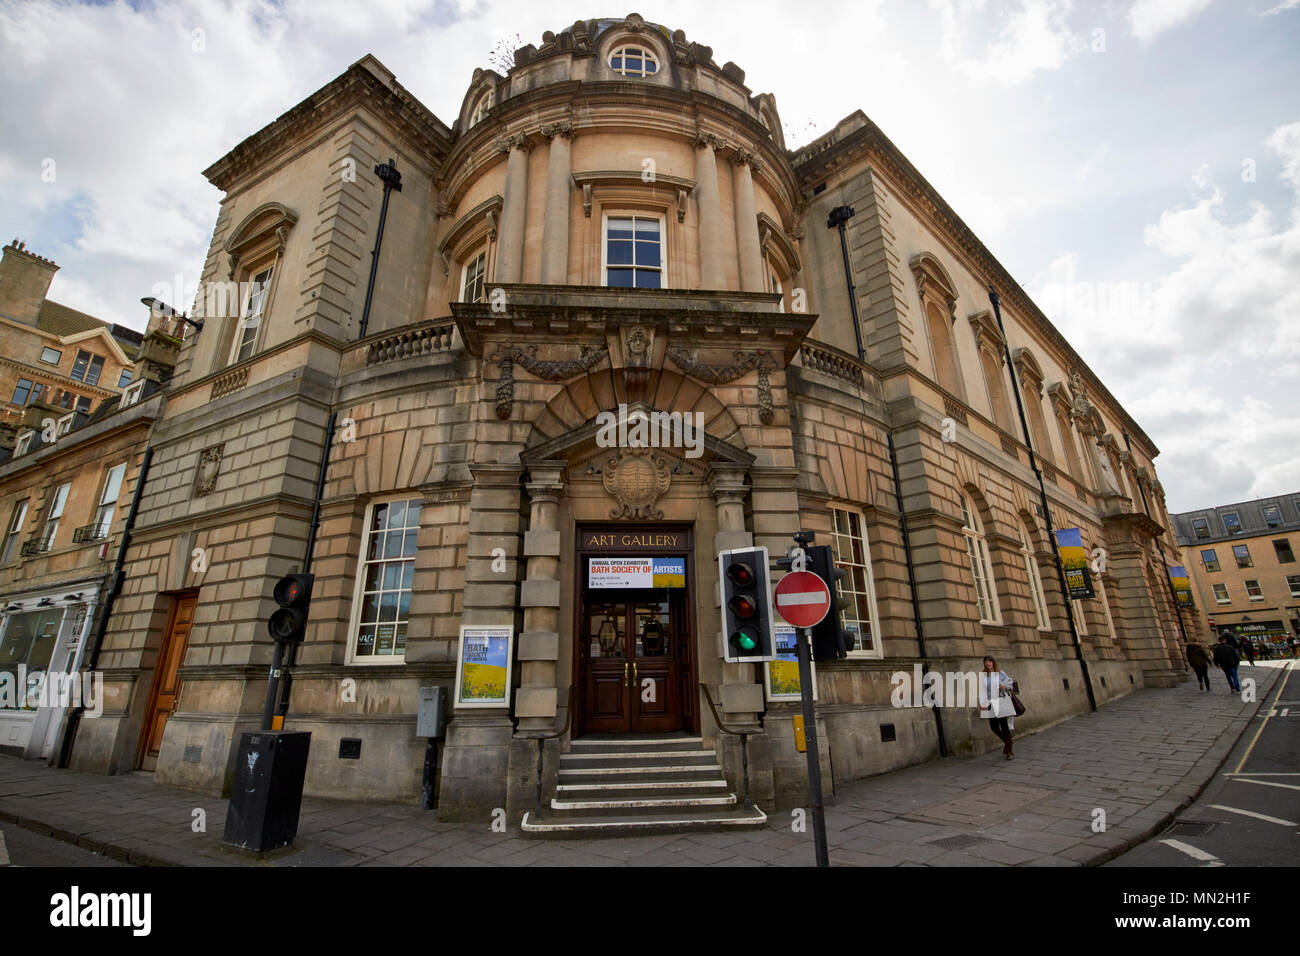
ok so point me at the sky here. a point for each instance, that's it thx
(1134, 164)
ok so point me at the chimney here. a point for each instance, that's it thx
(24, 281)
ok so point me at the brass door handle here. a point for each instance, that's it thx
(625, 672)
(634, 673)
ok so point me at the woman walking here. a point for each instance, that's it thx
(1199, 659)
(995, 697)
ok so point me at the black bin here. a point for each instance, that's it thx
(267, 792)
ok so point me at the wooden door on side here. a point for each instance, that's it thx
(166, 687)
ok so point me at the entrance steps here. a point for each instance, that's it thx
(625, 785)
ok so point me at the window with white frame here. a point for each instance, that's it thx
(108, 500)
(481, 107)
(633, 251)
(632, 60)
(23, 443)
(384, 578)
(1080, 617)
(16, 521)
(1221, 594)
(63, 426)
(52, 517)
(1036, 595)
(1293, 582)
(1253, 591)
(981, 567)
(51, 356)
(472, 278)
(251, 318)
(853, 557)
(132, 394)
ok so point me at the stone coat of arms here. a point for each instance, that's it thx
(637, 480)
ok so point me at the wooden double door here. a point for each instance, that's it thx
(634, 650)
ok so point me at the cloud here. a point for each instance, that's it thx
(1033, 36)
(1206, 357)
(1150, 18)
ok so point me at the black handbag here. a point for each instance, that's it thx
(1020, 708)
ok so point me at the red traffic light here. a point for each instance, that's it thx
(741, 574)
(293, 590)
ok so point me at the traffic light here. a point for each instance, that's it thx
(830, 641)
(293, 594)
(746, 605)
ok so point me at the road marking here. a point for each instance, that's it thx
(1257, 816)
(1267, 783)
(1209, 859)
(4, 852)
(1289, 668)
(1230, 774)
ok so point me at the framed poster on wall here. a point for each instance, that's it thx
(483, 666)
(781, 676)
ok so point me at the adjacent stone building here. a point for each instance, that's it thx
(1241, 559)
(614, 225)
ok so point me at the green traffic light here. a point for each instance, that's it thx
(744, 640)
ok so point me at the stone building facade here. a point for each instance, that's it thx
(51, 353)
(1241, 559)
(616, 224)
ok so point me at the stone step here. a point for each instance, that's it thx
(624, 742)
(634, 756)
(665, 772)
(657, 783)
(650, 800)
(573, 825)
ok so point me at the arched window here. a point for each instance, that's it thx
(981, 567)
(1036, 595)
(481, 107)
(633, 60)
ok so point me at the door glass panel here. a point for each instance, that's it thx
(654, 629)
(607, 630)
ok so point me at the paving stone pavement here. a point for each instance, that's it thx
(1140, 759)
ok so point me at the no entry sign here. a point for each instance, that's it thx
(802, 599)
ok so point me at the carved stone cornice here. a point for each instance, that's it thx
(589, 357)
(759, 360)
(745, 157)
(987, 333)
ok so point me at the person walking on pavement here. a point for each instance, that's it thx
(1199, 659)
(1249, 647)
(995, 706)
(1225, 656)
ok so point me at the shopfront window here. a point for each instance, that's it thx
(28, 642)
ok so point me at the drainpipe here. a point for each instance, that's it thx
(92, 656)
(392, 179)
(1042, 495)
(838, 217)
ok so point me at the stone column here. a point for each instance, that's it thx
(510, 250)
(476, 755)
(709, 203)
(555, 225)
(537, 699)
(1133, 605)
(747, 241)
(539, 648)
